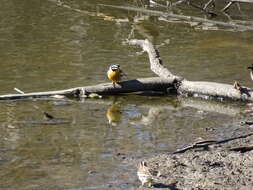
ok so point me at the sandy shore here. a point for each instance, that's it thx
(220, 166)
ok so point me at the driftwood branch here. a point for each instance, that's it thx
(203, 9)
(242, 149)
(167, 15)
(218, 90)
(166, 82)
(193, 88)
(156, 64)
(145, 84)
(205, 144)
(231, 2)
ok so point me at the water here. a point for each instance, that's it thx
(45, 47)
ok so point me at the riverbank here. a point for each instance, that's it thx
(227, 165)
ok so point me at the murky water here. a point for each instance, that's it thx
(45, 46)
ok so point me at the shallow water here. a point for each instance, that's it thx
(45, 47)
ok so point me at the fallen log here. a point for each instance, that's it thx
(137, 85)
(166, 82)
(193, 88)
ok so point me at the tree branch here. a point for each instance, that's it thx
(137, 85)
(206, 144)
(231, 2)
(156, 64)
(181, 17)
(220, 90)
(192, 88)
(166, 82)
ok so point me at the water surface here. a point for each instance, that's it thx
(46, 46)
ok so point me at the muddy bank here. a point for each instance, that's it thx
(219, 166)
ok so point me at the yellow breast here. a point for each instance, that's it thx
(114, 76)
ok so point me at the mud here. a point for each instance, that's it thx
(218, 167)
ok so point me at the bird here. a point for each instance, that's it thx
(251, 70)
(115, 74)
(48, 116)
(146, 175)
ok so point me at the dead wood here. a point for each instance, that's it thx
(231, 2)
(178, 2)
(155, 61)
(205, 144)
(242, 149)
(218, 90)
(167, 15)
(166, 82)
(193, 88)
(203, 9)
(137, 85)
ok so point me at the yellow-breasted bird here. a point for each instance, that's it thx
(251, 70)
(115, 74)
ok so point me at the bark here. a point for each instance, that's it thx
(231, 2)
(166, 82)
(205, 144)
(193, 88)
(167, 15)
(137, 85)
(219, 90)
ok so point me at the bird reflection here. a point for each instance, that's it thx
(153, 114)
(113, 114)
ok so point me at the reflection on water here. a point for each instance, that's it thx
(113, 114)
(91, 152)
(47, 46)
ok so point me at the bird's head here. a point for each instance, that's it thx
(251, 67)
(143, 164)
(115, 67)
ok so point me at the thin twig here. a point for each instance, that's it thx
(227, 6)
(231, 2)
(210, 13)
(19, 91)
(242, 149)
(206, 144)
(208, 3)
(181, 17)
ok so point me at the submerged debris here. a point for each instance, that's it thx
(94, 95)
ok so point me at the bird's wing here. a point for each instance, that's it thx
(122, 74)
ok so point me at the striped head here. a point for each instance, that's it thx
(250, 67)
(115, 67)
